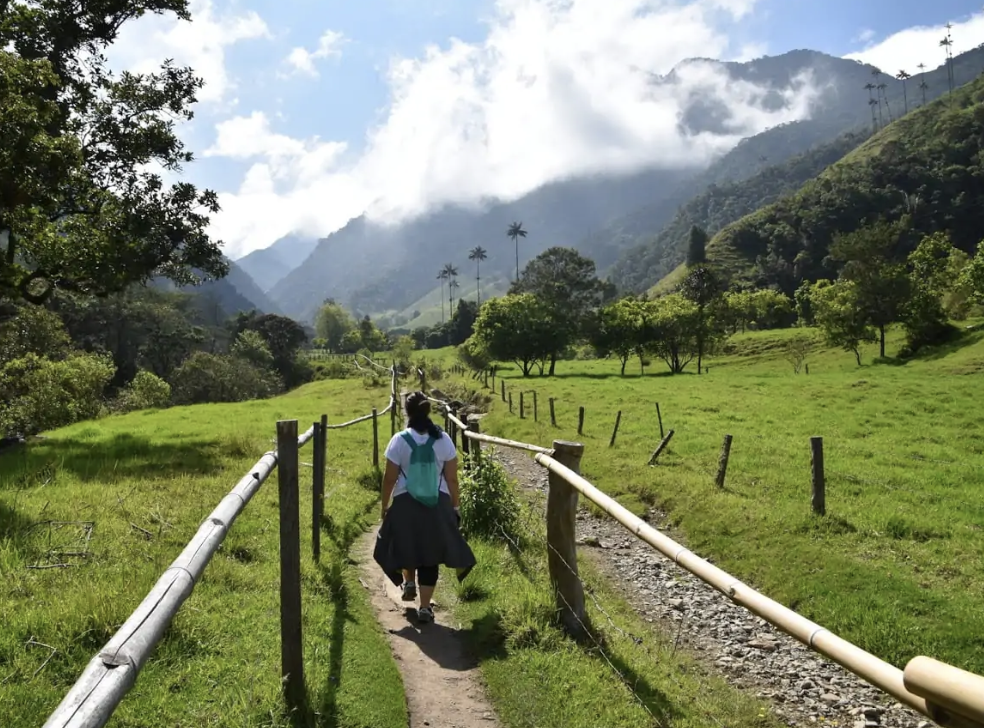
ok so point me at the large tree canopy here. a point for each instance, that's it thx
(80, 208)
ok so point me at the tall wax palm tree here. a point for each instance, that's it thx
(870, 87)
(442, 275)
(450, 272)
(904, 76)
(947, 45)
(453, 285)
(884, 97)
(516, 232)
(478, 254)
(874, 120)
(922, 87)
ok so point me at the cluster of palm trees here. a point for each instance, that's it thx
(449, 273)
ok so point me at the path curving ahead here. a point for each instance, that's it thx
(442, 682)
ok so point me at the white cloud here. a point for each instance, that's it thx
(302, 60)
(557, 88)
(145, 43)
(921, 44)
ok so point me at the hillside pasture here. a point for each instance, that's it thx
(894, 565)
(145, 481)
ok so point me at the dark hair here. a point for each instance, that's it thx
(418, 414)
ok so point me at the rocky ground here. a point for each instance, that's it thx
(803, 688)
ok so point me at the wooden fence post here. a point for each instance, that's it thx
(662, 446)
(510, 403)
(659, 416)
(522, 407)
(493, 380)
(375, 439)
(580, 420)
(454, 428)
(475, 446)
(291, 646)
(723, 461)
(553, 415)
(502, 386)
(536, 415)
(465, 442)
(819, 484)
(562, 548)
(324, 469)
(618, 421)
(317, 490)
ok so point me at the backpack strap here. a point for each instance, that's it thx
(408, 438)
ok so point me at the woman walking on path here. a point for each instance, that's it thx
(420, 531)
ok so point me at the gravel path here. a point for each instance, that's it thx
(803, 688)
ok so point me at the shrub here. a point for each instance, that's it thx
(473, 354)
(146, 391)
(207, 377)
(253, 348)
(331, 369)
(489, 504)
(38, 394)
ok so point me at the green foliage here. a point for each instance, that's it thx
(473, 354)
(973, 275)
(146, 391)
(837, 311)
(284, 337)
(489, 504)
(79, 209)
(33, 330)
(402, 351)
(697, 246)
(519, 328)
(252, 348)
(618, 330)
(923, 314)
(39, 394)
(332, 324)
(204, 377)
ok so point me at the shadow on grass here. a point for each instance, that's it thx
(122, 456)
(333, 578)
(15, 529)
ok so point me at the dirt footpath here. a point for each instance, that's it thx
(442, 682)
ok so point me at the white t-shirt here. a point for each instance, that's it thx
(398, 452)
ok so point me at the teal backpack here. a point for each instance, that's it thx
(423, 478)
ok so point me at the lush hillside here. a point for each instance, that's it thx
(653, 250)
(928, 164)
(358, 264)
(722, 204)
(269, 265)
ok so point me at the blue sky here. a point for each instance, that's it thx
(411, 103)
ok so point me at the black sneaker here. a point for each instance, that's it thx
(409, 591)
(425, 614)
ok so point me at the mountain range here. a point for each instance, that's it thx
(633, 225)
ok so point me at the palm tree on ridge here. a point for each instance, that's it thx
(516, 232)
(478, 254)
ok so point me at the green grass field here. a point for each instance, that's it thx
(146, 481)
(895, 565)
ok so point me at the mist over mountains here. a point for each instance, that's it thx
(614, 217)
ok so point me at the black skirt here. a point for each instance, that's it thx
(413, 535)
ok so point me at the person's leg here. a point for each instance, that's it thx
(428, 581)
(409, 585)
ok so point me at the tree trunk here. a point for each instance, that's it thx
(857, 355)
(553, 363)
(517, 260)
(881, 341)
(624, 362)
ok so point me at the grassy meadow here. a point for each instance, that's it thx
(146, 481)
(894, 566)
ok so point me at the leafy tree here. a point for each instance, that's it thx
(617, 330)
(331, 324)
(146, 391)
(519, 328)
(671, 327)
(923, 314)
(371, 337)
(79, 210)
(838, 312)
(704, 288)
(403, 349)
(473, 354)
(697, 246)
(38, 394)
(565, 282)
(870, 261)
(351, 341)
(283, 335)
(251, 347)
(33, 330)
(462, 324)
(772, 309)
(973, 275)
(207, 377)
